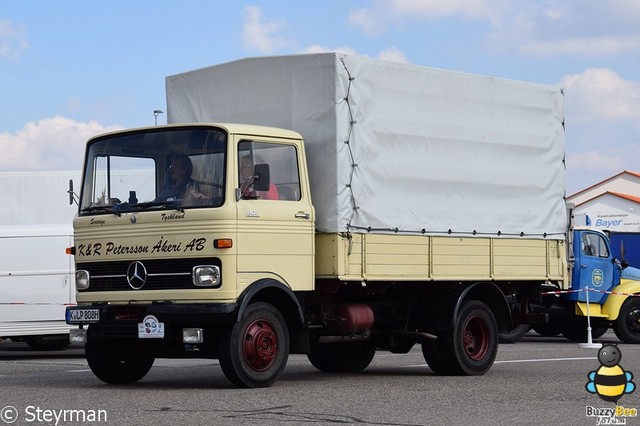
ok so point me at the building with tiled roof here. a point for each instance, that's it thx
(613, 204)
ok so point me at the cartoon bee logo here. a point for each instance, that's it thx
(610, 381)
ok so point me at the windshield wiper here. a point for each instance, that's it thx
(151, 204)
(106, 209)
(118, 209)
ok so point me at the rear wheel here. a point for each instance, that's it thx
(351, 357)
(254, 351)
(469, 347)
(515, 334)
(627, 326)
(115, 367)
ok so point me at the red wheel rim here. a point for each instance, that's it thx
(260, 345)
(476, 338)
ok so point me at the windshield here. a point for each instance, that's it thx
(172, 168)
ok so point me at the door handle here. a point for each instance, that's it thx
(302, 215)
(584, 266)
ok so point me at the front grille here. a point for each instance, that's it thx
(162, 274)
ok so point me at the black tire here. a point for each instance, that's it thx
(597, 332)
(469, 347)
(438, 360)
(396, 345)
(52, 342)
(117, 368)
(351, 357)
(515, 334)
(547, 330)
(627, 325)
(254, 351)
(575, 329)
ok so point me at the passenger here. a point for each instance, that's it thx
(286, 193)
(246, 183)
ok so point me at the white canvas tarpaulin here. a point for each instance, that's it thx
(401, 148)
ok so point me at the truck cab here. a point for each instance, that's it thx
(602, 287)
(173, 239)
(594, 268)
(176, 197)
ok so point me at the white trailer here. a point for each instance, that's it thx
(36, 274)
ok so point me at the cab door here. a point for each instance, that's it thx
(275, 215)
(593, 266)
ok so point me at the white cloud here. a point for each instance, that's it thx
(623, 10)
(316, 48)
(367, 20)
(594, 161)
(604, 45)
(55, 143)
(476, 9)
(563, 27)
(12, 40)
(260, 35)
(393, 54)
(587, 168)
(601, 94)
(374, 19)
(603, 117)
(530, 27)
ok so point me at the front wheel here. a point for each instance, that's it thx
(52, 342)
(547, 329)
(627, 325)
(469, 347)
(515, 334)
(116, 367)
(254, 351)
(576, 329)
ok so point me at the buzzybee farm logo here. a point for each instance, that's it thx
(610, 382)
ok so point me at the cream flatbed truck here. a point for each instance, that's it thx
(416, 216)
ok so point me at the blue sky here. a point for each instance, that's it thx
(72, 69)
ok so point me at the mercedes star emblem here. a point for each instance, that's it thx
(136, 275)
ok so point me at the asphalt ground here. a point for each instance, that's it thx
(536, 381)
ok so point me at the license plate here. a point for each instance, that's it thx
(78, 316)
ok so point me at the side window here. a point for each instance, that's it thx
(282, 163)
(594, 245)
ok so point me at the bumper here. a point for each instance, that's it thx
(189, 313)
(122, 324)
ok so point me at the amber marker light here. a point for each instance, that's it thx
(223, 243)
(70, 250)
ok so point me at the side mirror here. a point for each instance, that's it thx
(622, 264)
(72, 195)
(262, 177)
